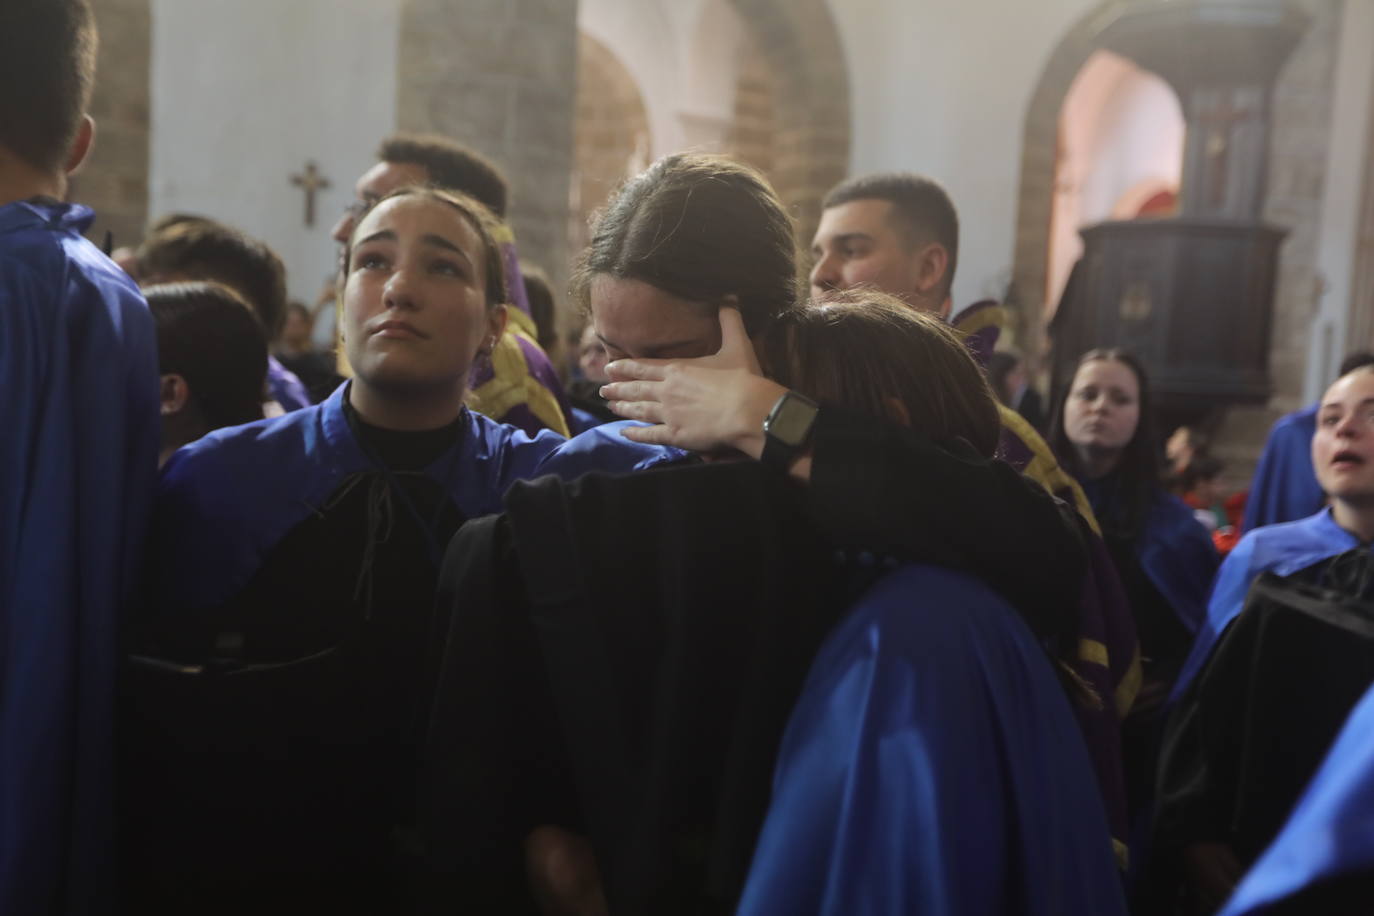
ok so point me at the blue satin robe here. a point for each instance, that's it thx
(1285, 488)
(78, 454)
(933, 766)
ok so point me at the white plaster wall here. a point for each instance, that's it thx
(1348, 150)
(941, 87)
(243, 93)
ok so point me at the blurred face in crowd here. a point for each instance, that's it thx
(376, 183)
(591, 355)
(295, 333)
(1103, 408)
(1343, 447)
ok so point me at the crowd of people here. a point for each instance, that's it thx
(752, 598)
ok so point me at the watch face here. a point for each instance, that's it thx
(793, 421)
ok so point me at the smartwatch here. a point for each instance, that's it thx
(787, 430)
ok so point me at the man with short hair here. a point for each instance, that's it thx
(77, 460)
(898, 233)
(196, 248)
(518, 384)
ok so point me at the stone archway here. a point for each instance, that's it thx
(1039, 161)
(799, 41)
(114, 181)
(610, 133)
(501, 77)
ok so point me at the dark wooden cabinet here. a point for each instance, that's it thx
(1191, 297)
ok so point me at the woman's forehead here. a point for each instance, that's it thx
(1107, 371)
(1353, 388)
(417, 215)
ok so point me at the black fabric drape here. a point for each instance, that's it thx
(1251, 731)
(674, 615)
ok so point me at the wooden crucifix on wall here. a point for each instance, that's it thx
(310, 181)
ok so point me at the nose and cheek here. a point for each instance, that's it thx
(825, 276)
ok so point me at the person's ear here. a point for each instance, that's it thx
(497, 318)
(932, 262)
(175, 394)
(81, 144)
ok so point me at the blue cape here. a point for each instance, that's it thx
(78, 453)
(1177, 554)
(1330, 832)
(285, 386)
(218, 515)
(1285, 486)
(1281, 549)
(1174, 550)
(932, 765)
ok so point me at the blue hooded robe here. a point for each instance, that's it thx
(932, 765)
(1285, 486)
(78, 367)
(218, 516)
(1281, 549)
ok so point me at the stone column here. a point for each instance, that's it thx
(114, 181)
(500, 76)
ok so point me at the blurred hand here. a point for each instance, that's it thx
(1213, 873)
(708, 404)
(563, 874)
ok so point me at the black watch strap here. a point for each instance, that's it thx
(787, 430)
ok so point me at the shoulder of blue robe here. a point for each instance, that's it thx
(932, 765)
(224, 501)
(78, 365)
(1178, 555)
(1330, 832)
(285, 386)
(1282, 549)
(1285, 486)
(603, 448)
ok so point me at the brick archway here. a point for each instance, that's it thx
(1039, 155)
(801, 45)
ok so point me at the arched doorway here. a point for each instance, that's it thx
(610, 134)
(764, 80)
(1121, 133)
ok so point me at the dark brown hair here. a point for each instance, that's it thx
(202, 249)
(1137, 473)
(861, 349)
(700, 228)
(451, 166)
(210, 336)
(478, 216)
(923, 210)
(47, 68)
